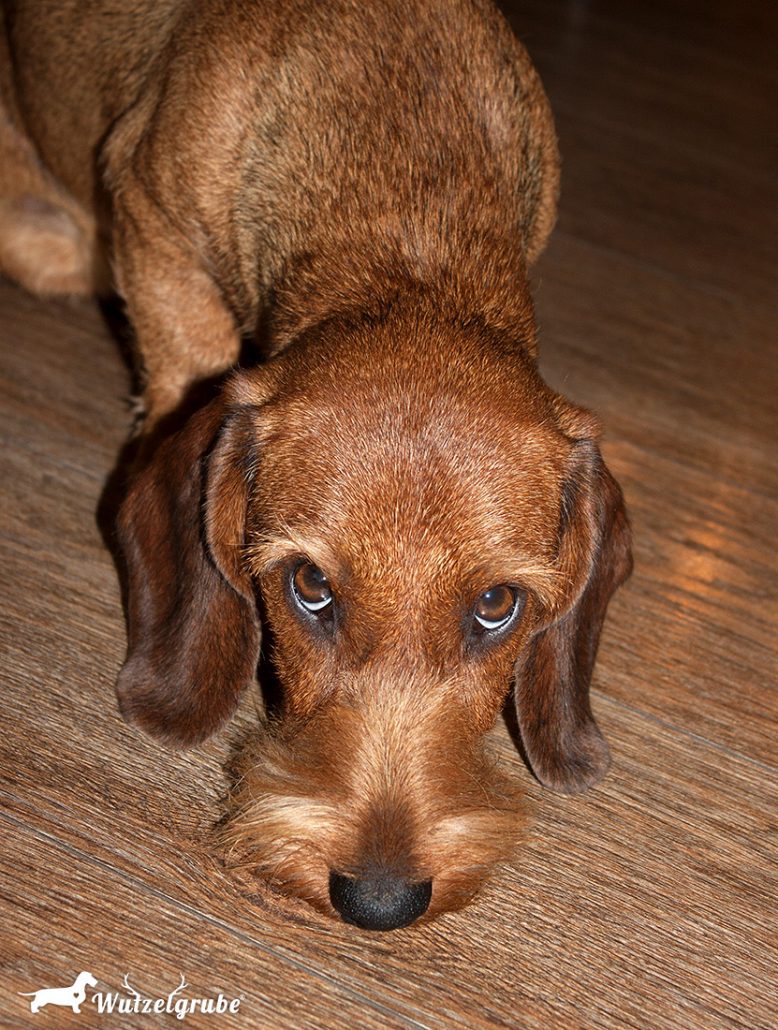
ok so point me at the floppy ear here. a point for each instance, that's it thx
(193, 630)
(561, 739)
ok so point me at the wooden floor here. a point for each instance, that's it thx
(650, 902)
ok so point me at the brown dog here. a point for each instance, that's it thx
(414, 516)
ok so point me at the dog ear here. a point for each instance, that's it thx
(562, 741)
(193, 629)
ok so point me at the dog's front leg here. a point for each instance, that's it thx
(185, 333)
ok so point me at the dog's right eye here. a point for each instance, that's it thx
(311, 588)
(496, 607)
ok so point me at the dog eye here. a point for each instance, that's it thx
(496, 607)
(311, 587)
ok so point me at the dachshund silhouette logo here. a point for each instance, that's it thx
(71, 996)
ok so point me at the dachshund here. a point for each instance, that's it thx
(72, 997)
(387, 493)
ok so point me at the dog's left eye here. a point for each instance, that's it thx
(311, 587)
(496, 607)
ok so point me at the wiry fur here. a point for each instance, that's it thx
(386, 779)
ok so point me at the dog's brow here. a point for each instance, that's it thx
(262, 553)
(537, 575)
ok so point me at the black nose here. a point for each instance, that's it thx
(381, 901)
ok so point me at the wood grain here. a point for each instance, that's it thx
(666, 121)
(649, 902)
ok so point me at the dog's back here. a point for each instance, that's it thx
(267, 128)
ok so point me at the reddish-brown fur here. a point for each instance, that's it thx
(361, 190)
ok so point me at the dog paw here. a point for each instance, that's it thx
(43, 249)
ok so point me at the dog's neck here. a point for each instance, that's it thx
(481, 278)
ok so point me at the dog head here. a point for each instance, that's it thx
(418, 521)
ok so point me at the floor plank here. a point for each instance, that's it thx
(666, 121)
(112, 925)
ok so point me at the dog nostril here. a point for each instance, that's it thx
(381, 901)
